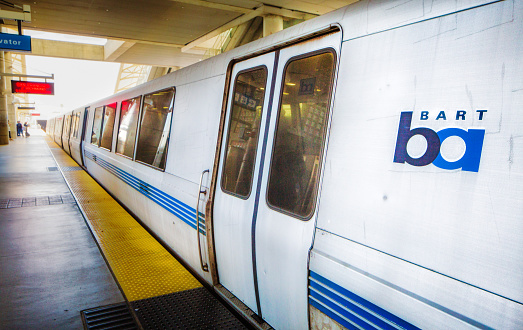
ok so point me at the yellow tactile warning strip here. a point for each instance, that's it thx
(141, 265)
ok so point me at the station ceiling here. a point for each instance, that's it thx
(170, 31)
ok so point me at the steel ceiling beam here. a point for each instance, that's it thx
(216, 6)
(24, 16)
(261, 11)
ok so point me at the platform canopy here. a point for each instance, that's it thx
(158, 32)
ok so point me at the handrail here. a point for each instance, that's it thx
(205, 268)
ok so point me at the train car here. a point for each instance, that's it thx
(363, 169)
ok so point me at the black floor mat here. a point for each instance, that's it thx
(191, 309)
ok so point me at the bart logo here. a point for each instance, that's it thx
(473, 139)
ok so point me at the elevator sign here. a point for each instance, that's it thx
(15, 42)
(32, 87)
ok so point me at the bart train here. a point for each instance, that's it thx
(363, 169)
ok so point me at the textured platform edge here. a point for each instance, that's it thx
(223, 295)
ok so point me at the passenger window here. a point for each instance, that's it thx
(129, 112)
(155, 127)
(108, 126)
(97, 125)
(300, 134)
(244, 126)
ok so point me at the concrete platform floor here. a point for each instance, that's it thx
(50, 266)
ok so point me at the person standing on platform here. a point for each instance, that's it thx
(9, 128)
(26, 125)
(19, 131)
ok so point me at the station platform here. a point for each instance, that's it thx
(71, 257)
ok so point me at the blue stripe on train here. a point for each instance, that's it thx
(349, 309)
(171, 204)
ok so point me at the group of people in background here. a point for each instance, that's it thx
(21, 130)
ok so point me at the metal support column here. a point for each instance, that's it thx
(11, 114)
(4, 130)
(11, 109)
(272, 24)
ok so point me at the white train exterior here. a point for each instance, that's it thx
(363, 169)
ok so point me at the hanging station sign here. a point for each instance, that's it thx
(32, 87)
(15, 42)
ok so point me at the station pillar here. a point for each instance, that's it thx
(4, 130)
(11, 109)
(272, 24)
(11, 115)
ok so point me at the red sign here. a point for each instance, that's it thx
(35, 114)
(32, 87)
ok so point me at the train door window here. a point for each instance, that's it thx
(155, 127)
(84, 124)
(300, 133)
(97, 125)
(242, 137)
(129, 113)
(108, 126)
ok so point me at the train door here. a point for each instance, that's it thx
(269, 215)
(82, 139)
(50, 127)
(65, 133)
(73, 132)
(59, 121)
(74, 141)
(236, 199)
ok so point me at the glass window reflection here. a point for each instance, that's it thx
(155, 127)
